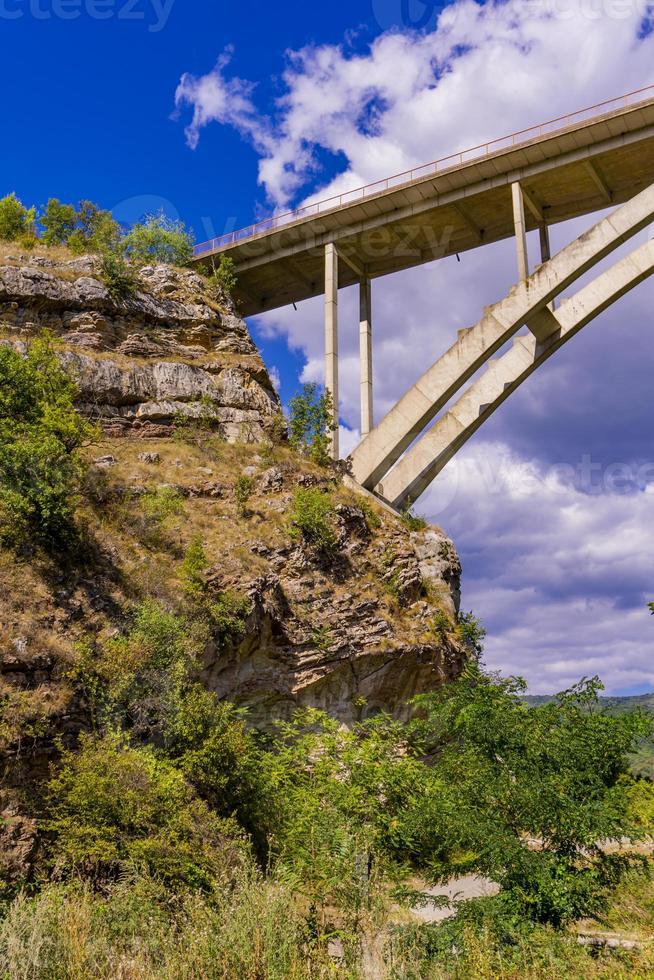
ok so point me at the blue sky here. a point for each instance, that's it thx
(279, 102)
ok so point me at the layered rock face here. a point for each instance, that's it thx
(173, 350)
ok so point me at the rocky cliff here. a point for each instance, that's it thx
(175, 349)
(354, 629)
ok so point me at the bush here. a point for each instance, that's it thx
(16, 221)
(112, 808)
(159, 239)
(411, 521)
(59, 221)
(40, 432)
(118, 276)
(243, 490)
(227, 614)
(96, 230)
(223, 275)
(312, 518)
(472, 633)
(133, 680)
(194, 566)
(311, 423)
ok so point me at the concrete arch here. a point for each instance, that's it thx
(426, 459)
(528, 303)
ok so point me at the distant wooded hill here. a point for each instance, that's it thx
(643, 759)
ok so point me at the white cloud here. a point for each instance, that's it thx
(561, 578)
(228, 101)
(484, 71)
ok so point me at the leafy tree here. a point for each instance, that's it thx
(59, 221)
(159, 239)
(311, 423)
(512, 773)
(223, 275)
(113, 807)
(472, 632)
(96, 230)
(16, 220)
(40, 433)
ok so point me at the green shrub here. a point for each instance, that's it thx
(59, 221)
(40, 433)
(159, 239)
(411, 521)
(162, 504)
(96, 230)
(227, 613)
(118, 276)
(472, 632)
(194, 566)
(16, 221)
(312, 518)
(243, 490)
(223, 275)
(311, 423)
(442, 626)
(112, 807)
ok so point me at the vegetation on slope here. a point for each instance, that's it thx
(176, 840)
(87, 228)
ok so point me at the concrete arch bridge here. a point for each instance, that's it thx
(594, 159)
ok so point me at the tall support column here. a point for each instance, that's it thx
(545, 250)
(365, 352)
(331, 337)
(520, 230)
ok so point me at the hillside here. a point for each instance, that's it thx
(190, 453)
(244, 729)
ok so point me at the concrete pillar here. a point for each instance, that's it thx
(365, 352)
(546, 252)
(331, 337)
(520, 231)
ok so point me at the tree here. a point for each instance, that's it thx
(159, 239)
(311, 423)
(96, 230)
(59, 221)
(16, 220)
(223, 275)
(40, 433)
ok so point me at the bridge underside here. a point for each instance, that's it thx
(563, 175)
(606, 161)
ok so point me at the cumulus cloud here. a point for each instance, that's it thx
(215, 98)
(561, 573)
(484, 71)
(560, 577)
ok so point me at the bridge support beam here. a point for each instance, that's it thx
(365, 353)
(331, 338)
(520, 231)
(425, 460)
(526, 302)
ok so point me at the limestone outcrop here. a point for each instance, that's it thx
(173, 350)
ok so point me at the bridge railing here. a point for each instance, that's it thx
(516, 139)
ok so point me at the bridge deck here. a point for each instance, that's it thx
(568, 167)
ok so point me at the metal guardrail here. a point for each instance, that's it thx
(517, 139)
